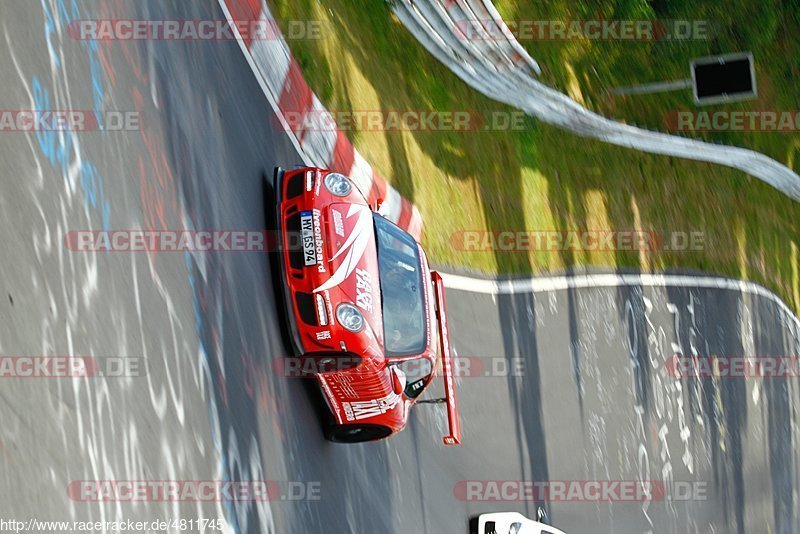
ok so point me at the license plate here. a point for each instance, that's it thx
(307, 236)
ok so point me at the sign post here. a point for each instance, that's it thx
(715, 80)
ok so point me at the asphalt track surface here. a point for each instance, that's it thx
(589, 402)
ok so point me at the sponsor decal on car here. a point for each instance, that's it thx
(364, 290)
(322, 312)
(416, 385)
(358, 410)
(329, 306)
(323, 335)
(318, 241)
(338, 222)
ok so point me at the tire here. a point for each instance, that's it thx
(356, 433)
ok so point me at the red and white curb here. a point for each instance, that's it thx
(280, 79)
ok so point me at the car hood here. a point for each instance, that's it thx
(352, 265)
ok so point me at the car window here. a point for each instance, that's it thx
(418, 372)
(402, 290)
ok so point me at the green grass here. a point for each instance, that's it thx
(542, 178)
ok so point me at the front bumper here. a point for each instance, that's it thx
(294, 332)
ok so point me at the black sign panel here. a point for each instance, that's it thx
(723, 78)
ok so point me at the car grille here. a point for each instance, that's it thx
(294, 186)
(305, 307)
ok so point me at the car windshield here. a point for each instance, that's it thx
(402, 291)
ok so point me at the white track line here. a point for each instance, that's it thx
(581, 281)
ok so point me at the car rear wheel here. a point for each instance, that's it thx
(357, 433)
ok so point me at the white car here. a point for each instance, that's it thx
(512, 523)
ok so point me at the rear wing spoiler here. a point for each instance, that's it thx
(454, 438)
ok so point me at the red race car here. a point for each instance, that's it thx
(365, 311)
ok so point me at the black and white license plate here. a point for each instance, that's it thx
(307, 236)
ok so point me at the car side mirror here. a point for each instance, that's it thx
(398, 380)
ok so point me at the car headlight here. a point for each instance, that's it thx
(350, 318)
(338, 184)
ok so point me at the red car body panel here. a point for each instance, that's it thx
(345, 270)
